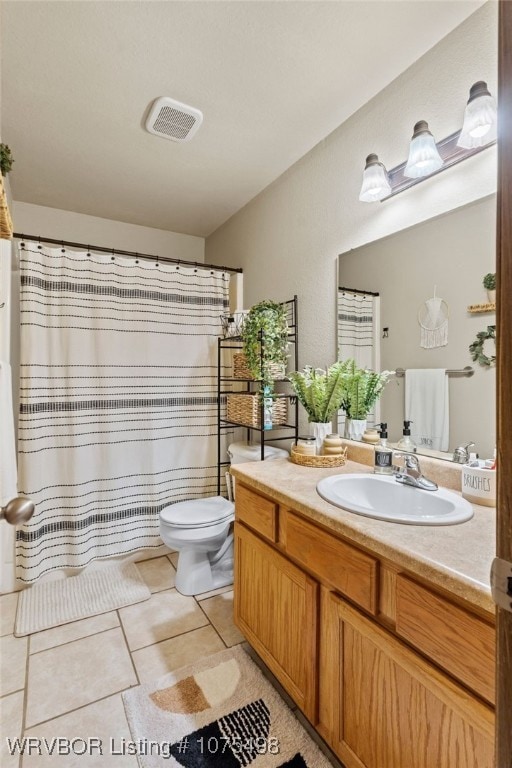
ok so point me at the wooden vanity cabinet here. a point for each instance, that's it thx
(393, 709)
(374, 683)
(276, 608)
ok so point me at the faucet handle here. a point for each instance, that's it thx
(461, 454)
(411, 461)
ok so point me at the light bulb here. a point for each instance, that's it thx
(424, 158)
(480, 118)
(375, 181)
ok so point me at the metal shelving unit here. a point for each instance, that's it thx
(251, 386)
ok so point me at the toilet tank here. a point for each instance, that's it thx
(239, 453)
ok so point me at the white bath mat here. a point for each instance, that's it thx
(77, 597)
(220, 712)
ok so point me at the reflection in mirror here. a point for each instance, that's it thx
(386, 321)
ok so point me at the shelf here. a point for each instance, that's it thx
(239, 341)
(276, 395)
(226, 423)
(250, 381)
(489, 307)
(251, 387)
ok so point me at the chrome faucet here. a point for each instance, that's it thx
(410, 473)
(461, 454)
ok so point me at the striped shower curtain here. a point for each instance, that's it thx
(117, 401)
(358, 324)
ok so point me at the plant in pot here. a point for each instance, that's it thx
(265, 347)
(489, 283)
(362, 389)
(321, 393)
(265, 342)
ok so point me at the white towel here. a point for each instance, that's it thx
(8, 471)
(427, 406)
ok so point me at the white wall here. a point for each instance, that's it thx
(287, 238)
(79, 228)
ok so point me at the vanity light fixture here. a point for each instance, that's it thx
(480, 118)
(375, 181)
(424, 157)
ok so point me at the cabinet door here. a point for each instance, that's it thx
(276, 609)
(392, 709)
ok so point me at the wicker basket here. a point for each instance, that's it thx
(241, 371)
(245, 409)
(337, 460)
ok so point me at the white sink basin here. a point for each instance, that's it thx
(385, 499)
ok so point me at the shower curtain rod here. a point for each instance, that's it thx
(356, 290)
(114, 251)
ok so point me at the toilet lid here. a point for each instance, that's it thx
(198, 513)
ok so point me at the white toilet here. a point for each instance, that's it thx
(239, 453)
(200, 531)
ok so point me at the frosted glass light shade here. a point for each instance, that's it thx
(424, 158)
(375, 181)
(480, 118)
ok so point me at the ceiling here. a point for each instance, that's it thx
(271, 78)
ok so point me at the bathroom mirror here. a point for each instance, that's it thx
(446, 257)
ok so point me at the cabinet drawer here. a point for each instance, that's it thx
(342, 566)
(460, 642)
(256, 512)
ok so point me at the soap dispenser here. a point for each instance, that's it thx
(405, 443)
(383, 454)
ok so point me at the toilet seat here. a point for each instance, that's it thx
(198, 513)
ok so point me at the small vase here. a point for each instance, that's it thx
(355, 428)
(491, 295)
(319, 430)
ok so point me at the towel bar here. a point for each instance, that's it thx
(467, 371)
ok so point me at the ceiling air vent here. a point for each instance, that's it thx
(173, 120)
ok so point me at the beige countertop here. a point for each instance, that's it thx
(455, 557)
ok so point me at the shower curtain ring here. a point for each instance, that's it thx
(39, 242)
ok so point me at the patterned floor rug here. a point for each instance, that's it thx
(219, 713)
(52, 603)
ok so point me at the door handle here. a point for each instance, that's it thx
(17, 511)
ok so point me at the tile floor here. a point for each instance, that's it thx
(68, 681)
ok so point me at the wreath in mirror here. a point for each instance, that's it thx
(476, 349)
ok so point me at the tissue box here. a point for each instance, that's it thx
(479, 485)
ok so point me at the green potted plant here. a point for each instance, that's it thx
(362, 388)
(6, 159)
(489, 283)
(321, 393)
(265, 342)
